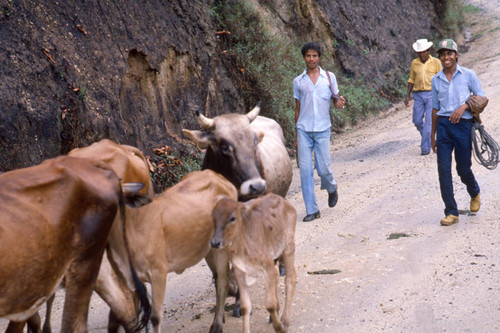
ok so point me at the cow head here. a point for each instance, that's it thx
(225, 215)
(232, 150)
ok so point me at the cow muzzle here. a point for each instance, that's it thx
(217, 243)
(253, 187)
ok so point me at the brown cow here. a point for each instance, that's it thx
(255, 234)
(54, 223)
(248, 150)
(173, 233)
(130, 165)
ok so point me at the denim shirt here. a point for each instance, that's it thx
(449, 96)
(314, 101)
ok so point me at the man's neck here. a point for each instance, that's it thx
(314, 70)
(450, 70)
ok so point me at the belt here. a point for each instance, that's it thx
(461, 119)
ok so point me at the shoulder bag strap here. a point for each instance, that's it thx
(334, 96)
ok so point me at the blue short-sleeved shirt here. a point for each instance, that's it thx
(449, 96)
(314, 101)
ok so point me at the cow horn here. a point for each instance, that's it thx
(205, 122)
(253, 113)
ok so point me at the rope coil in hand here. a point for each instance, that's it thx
(485, 149)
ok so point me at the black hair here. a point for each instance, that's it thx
(311, 46)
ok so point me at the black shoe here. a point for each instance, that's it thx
(311, 217)
(425, 153)
(333, 198)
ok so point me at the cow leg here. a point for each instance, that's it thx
(79, 283)
(218, 262)
(158, 287)
(113, 289)
(290, 280)
(236, 294)
(246, 302)
(113, 323)
(46, 325)
(15, 327)
(272, 300)
(34, 324)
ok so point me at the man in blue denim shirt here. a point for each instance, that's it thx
(451, 123)
(312, 94)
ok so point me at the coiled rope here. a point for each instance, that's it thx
(484, 146)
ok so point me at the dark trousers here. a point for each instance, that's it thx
(454, 137)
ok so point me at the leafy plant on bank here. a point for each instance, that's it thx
(168, 165)
(269, 62)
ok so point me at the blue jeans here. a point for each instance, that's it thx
(454, 137)
(319, 142)
(422, 117)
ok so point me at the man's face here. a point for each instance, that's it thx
(448, 58)
(424, 56)
(312, 58)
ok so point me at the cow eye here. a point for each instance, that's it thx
(225, 148)
(232, 219)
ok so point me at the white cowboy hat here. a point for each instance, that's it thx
(422, 45)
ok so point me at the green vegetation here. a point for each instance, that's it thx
(267, 63)
(454, 18)
(470, 9)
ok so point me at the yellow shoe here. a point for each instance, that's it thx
(475, 203)
(449, 220)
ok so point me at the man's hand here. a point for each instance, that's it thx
(457, 114)
(433, 144)
(407, 101)
(339, 103)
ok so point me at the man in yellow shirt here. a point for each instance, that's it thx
(422, 70)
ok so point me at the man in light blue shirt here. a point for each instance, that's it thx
(312, 91)
(451, 123)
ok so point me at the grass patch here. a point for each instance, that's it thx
(453, 22)
(471, 9)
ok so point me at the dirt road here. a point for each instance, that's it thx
(400, 271)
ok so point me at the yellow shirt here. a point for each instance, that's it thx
(421, 73)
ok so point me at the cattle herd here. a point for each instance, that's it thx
(90, 221)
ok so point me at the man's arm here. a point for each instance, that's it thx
(433, 129)
(408, 92)
(297, 114)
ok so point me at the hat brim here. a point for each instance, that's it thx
(446, 48)
(422, 48)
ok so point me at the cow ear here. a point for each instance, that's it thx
(199, 137)
(219, 198)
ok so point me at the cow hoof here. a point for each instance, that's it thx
(215, 328)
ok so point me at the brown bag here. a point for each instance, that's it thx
(476, 105)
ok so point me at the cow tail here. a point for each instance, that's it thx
(144, 309)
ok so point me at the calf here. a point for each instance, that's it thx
(255, 234)
(54, 224)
